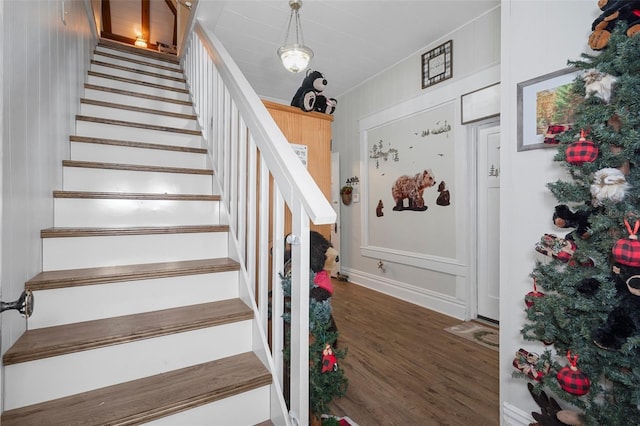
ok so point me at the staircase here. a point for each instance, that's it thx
(138, 317)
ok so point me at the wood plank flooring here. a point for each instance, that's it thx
(404, 369)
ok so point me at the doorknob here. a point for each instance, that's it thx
(24, 304)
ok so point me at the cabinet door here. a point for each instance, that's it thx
(312, 129)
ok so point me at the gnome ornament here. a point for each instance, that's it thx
(571, 379)
(598, 84)
(609, 185)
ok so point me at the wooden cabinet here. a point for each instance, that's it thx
(312, 129)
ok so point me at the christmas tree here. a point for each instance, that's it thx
(327, 380)
(586, 304)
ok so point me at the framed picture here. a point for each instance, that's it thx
(437, 64)
(546, 108)
(480, 104)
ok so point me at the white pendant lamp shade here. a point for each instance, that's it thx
(295, 56)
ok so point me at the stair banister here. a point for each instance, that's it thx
(232, 116)
(292, 177)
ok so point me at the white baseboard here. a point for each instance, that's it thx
(427, 299)
(513, 416)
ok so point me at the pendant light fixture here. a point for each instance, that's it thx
(295, 56)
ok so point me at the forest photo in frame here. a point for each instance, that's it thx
(546, 107)
(409, 185)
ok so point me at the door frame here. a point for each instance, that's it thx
(473, 131)
(335, 203)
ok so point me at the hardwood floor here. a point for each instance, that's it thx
(404, 369)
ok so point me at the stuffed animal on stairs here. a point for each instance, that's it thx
(323, 259)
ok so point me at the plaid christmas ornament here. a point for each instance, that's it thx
(530, 298)
(581, 151)
(557, 248)
(571, 379)
(529, 364)
(627, 250)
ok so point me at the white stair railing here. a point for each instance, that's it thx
(259, 175)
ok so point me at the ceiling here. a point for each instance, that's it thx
(352, 40)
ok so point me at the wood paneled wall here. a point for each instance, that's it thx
(312, 129)
(46, 57)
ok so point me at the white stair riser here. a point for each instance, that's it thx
(106, 180)
(133, 56)
(97, 152)
(90, 302)
(115, 213)
(138, 117)
(248, 408)
(138, 76)
(134, 134)
(55, 377)
(88, 252)
(174, 72)
(137, 88)
(106, 96)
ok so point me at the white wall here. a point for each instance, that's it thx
(43, 68)
(476, 52)
(538, 37)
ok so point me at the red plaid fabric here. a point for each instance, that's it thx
(573, 381)
(553, 131)
(582, 151)
(627, 250)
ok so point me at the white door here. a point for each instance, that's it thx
(488, 250)
(335, 201)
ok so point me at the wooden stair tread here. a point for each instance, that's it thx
(138, 71)
(137, 109)
(149, 398)
(151, 230)
(132, 144)
(134, 196)
(141, 61)
(137, 94)
(68, 338)
(135, 167)
(167, 57)
(139, 82)
(137, 125)
(49, 280)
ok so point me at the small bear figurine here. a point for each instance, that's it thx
(444, 199)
